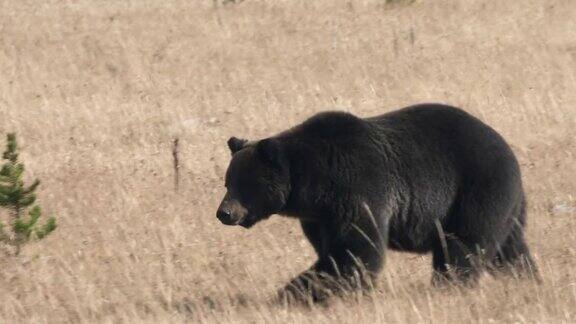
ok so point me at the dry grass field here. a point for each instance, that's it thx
(98, 90)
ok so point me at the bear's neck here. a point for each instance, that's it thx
(309, 179)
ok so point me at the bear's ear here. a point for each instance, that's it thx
(236, 144)
(271, 151)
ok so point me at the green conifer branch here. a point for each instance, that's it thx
(47, 228)
(16, 197)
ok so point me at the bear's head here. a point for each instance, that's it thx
(257, 182)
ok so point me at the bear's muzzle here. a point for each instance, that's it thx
(231, 212)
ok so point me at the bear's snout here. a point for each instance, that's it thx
(225, 217)
(231, 212)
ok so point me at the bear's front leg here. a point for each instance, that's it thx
(308, 287)
(346, 261)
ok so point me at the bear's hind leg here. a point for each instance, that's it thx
(514, 257)
(481, 219)
(454, 261)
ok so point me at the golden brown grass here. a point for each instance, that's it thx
(97, 90)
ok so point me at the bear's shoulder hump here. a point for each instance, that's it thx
(333, 123)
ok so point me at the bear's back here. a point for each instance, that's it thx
(448, 133)
(439, 125)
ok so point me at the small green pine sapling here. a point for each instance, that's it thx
(17, 198)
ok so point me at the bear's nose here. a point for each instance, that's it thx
(224, 216)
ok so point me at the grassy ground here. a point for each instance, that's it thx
(97, 91)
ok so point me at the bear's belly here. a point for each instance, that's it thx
(409, 246)
(418, 239)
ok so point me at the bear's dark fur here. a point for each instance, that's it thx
(426, 178)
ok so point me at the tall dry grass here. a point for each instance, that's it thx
(97, 91)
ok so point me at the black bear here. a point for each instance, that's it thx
(426, 178)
